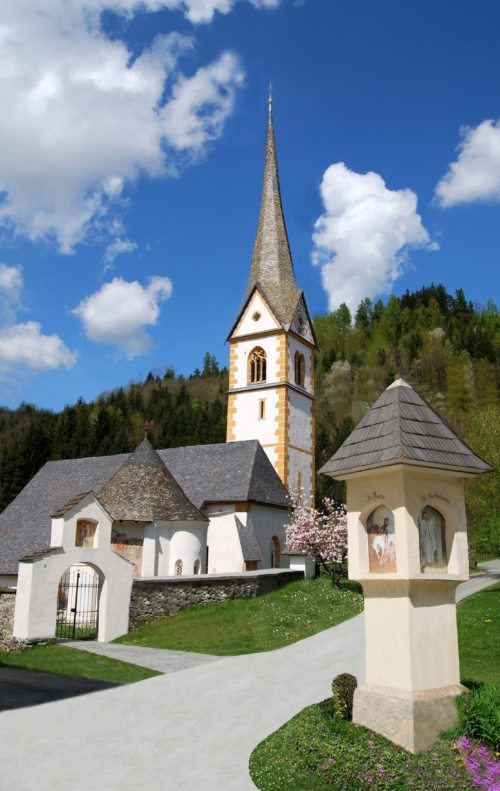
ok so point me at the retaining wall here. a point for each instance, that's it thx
(156, 596)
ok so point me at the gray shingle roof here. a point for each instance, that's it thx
(232, 472)
(248, 541)
(143, 489)
(402, 427)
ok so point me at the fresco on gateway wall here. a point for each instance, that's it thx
(85, 533)
(129, 548)
(381, 541)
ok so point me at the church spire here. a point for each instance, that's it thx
(272, 269)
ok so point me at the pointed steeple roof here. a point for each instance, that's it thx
(402, 428)
(272, 268)
(143, 490)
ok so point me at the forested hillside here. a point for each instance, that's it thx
(447, 348)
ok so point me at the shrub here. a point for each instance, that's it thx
(343, 687)
(479, 714)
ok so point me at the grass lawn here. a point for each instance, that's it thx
(479, 635)
(244, 626)
(317, 750)
(70, 662)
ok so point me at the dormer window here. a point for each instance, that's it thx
(300, 369)
(257, 366)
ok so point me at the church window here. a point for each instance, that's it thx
(196, 569)
(178, 568)
(275, 553)
(262, 408)
(257, 366)
(300, 369)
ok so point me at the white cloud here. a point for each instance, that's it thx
(82, 116)
(11, 282)
(475, 176)
(119, 311)
(24, 344)
(117, 247)
(361, 240)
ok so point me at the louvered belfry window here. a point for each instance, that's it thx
(300, 369)
(257, 365)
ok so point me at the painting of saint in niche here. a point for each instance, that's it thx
(381, 541)
(431, 540)
(85, 532)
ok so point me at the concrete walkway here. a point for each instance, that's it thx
(153, 658)
(187, 730)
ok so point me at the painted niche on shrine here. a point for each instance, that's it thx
(381, 541)
(432, 542)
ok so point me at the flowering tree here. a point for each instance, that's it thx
(322, 534)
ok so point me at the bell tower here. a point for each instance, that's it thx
(272, 345)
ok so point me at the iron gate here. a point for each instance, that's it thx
(78, 604)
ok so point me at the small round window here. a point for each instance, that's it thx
(256, 316)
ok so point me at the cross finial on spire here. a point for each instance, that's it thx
(149, 424)
(270, 100)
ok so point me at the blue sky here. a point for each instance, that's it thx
(131, 156)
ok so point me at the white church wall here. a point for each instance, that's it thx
(299, 471)
(188, 545)
(242, 350)
(300, 420)
(248, 423)
(87, 509)
(295, 345)
(249, 325)
(224, 548)
(268, 521)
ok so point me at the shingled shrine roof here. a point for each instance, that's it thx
(227, 472)
(143, 489)
(401, 427)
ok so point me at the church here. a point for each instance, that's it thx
(210, 509)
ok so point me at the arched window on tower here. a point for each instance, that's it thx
(300, 369)
(257, 365)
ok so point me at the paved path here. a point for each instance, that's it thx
(153, 658)
(183, 731)
(20, 687)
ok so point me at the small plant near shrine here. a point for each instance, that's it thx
(343, 687)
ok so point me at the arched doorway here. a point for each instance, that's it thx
(78, 603)
(275, 553)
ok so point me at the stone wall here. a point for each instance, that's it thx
(153, 598)
(7, 604)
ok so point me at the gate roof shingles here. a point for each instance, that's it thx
(401, 427)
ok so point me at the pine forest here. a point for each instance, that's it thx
(443, 345)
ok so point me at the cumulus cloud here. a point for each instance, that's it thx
(11, 284)
(475, 176)
(117, 247)
(82, 115)
(25, 344)
(119, 311)
(362, 238)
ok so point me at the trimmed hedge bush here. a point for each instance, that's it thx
(343, 687)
